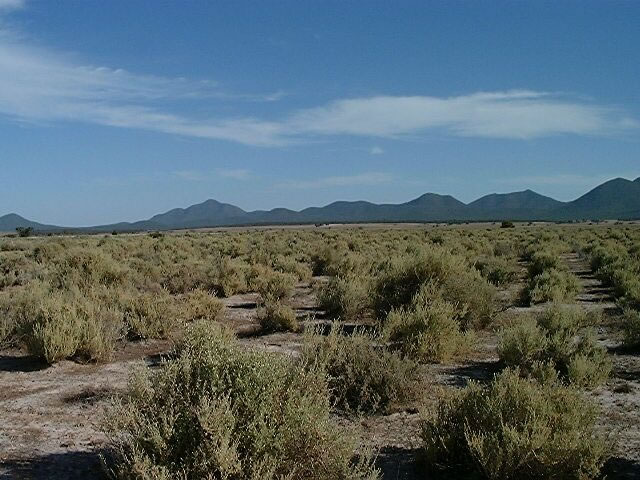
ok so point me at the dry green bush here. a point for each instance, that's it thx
(497, 270)
(553, 285)
(272, 286)
(65, 325)
(149, 315)
(631, 328)
(363, 377)
(515, 428)
(556, 338)
(219, 411)
(345, 297)
(201, 305)
(429, 329)
(402, 277)
(230, 277)
(86, 268)
(277, 317)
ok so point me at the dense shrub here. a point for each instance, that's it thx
(553, 285)
(201, 305)
(463, 286)
(429, 329)
(631, 327)
(363, 377)
(218, 411)
(149, 315)
(272, 286)
(345, 297)
(277, 317)
(515, 428)
(556, 338)
(65, 326)
(497, 270)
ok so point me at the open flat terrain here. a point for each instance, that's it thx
(51, 415)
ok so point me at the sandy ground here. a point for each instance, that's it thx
(50, 417)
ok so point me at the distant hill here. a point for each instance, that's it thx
(516, 205)
(9, 223)
(616, 199)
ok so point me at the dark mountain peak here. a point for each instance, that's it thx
(526, 199)
(13, 217)
(617, 198)
(435, 199)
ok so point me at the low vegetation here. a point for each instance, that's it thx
(556, 340)
(363, 377)
(390, 302)
(512, 429)
(219, 411)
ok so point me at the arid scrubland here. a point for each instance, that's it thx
(394, 303)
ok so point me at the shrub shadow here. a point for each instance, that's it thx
(59, 466)
(20, 363)
(618, 468)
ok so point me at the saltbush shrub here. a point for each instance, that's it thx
(515, 428)
(149, 315)
(201, 305)
(219, 411)
(345, 297)
(553, 285)
(363, 377)
(277, 317)
(631, 328)
(556, 338)
(429, 329)
(402, 277)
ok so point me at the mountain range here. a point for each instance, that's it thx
(615, 199)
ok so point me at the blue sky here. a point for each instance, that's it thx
(117, 110)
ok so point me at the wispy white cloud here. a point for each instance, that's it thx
(569, 180)
(367, 178)
(11, 4)
(38, 85)
(515, 114)
(199, 176)
(234, 173)
(376, 150)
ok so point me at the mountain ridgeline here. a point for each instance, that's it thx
(616, 199)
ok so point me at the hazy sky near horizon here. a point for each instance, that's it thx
(117, 110)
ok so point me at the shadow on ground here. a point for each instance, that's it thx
(60, 466)
(20, 363)
(621, 469)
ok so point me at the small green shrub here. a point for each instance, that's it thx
(346, 298)
(150, 315)
(553, 285)
(558, 339)
(363, 377)
(429, 329)
(271, 285)
(497, 270)
(631, 329)
(277, 317)
(515, 428)
(201, 305)
(219, 411)
(402, 278)
(65, 326)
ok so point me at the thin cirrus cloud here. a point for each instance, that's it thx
(198, 176)
(568, 179)
(11, 4)
(366, 178)
(37, 85)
